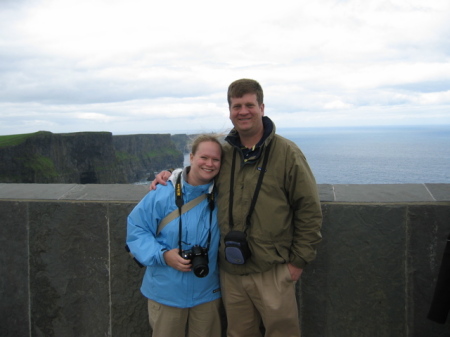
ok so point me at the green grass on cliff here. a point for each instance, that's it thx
(42, 166)
(125, 156)
(166, 151)
(12, 140)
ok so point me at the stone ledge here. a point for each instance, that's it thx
(383, 193)
(76, 192)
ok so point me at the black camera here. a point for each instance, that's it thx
(199, 259)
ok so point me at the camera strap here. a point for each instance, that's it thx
(179, 202)
(255, 194)
(181, 210)
(175, 214)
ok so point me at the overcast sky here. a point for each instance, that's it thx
(144, 66)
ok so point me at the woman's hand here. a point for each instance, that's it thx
(173, 259)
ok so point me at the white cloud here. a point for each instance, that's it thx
(77, 65)
(435, 98)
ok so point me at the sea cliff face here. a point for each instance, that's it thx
(142, 155)
(85, 157)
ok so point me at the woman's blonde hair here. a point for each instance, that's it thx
(206, 137)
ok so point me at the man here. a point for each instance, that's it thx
(283, 228)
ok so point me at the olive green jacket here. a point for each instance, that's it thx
(286, 222)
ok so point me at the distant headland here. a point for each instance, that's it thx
(88, 157)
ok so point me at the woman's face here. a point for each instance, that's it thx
(205, 163)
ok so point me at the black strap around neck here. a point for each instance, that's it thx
(179, 202)
(255, 194)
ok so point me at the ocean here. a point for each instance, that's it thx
(375, 155)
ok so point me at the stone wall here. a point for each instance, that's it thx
(65, 271)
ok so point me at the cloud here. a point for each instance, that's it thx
(78, 65)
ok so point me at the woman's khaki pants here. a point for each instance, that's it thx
(202, 320)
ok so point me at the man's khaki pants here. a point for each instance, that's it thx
(202, 320)
(268, 296)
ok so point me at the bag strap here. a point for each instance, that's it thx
(175, 214)
(258, 186)
(255, 194)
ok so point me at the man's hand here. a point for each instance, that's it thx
(160, 178)
(174, 260)
(296, 272)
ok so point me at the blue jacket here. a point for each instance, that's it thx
(161, 282)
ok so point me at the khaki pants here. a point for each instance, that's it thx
(202, 320)
(268, 296)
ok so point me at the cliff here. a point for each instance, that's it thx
(85, 157)
(143, 155)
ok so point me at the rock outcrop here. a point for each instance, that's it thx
(85, 157)
(142, 155)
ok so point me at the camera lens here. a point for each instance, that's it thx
(200, 266)
(200, 261)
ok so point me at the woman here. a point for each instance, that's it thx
(181, 280)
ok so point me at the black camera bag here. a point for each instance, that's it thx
(236, 247)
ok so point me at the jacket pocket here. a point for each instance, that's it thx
(282, 249)
(271, 252)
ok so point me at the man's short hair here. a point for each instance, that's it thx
(244, 86)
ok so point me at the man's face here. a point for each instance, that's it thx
(246, 114)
